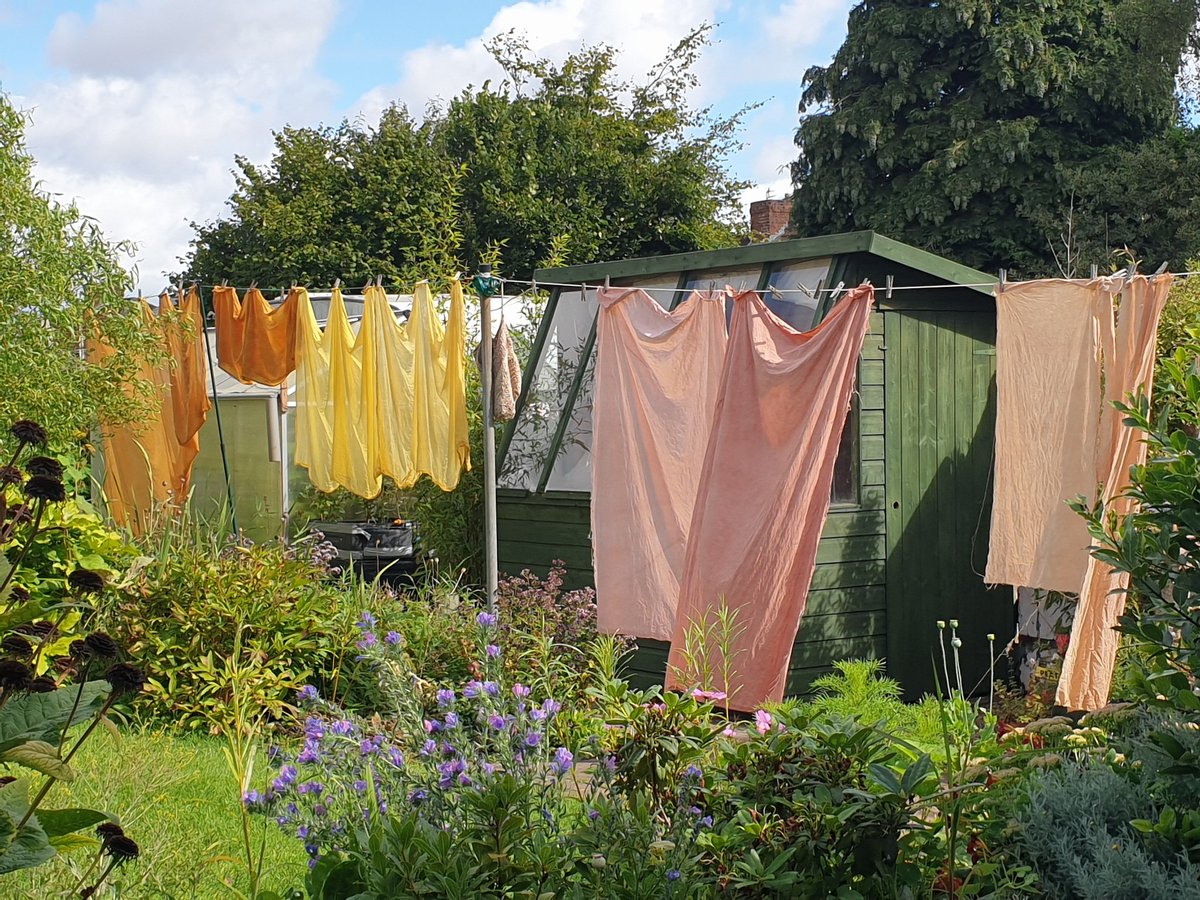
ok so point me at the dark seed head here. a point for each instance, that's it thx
(121, 848)
(14, 675)
(17, 646)
(102, 646)
(43, 684)
(80, 651)
(7, 779)
(108, 830)
(40, 630)
(125, 679)
(10, 475)
(44, 465)
(40, 487)
(28, 432)
(85, 581)
(18, 593)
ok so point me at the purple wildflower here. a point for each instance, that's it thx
(429, 747)
(418, 796)
(488, 768)
(314, 729)
(693, 772)
(593, 814)
(308, 693)
(343, 727)
(396, 757)
(520, 690)
(451, 720)
(310, 753)
(311, 787)
(486, 620)
(705, 822)
(445, 697)
(287, 774)
(551, 707)
(367, 746)
(532, 739)
(563, 760)
(360, 785)
(393, 638)
(366, 620)
(499, 723)
(252, 798)
(491, 689)
(472, 689)
(673, 875)
(368, 641)
(464, 779)
(302, 832)
(538, 715)
(319, 810)
(493, 651)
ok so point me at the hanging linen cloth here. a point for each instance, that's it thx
(765, 486)
(506, 373)
(657, 374)
(1051, 336)
(1092, 652)
(148, 463)
(256, 342)
(390, 400)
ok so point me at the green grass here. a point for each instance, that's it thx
(175, 796)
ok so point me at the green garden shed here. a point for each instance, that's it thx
(906, 538)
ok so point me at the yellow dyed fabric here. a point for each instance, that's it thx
(390, 400)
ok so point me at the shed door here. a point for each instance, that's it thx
(940, 398)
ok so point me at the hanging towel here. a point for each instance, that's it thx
(764, 490)
(389, 401)
(1050, 338)
(189, 376)
(148, 463)
(657, 375)
(506, 373)
(256, 343)
(1091, 655)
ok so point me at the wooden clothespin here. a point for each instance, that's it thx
(224, 282)
(253, 284)
(1095, 271)
(337, 284)
(890, 279)
(378, 281)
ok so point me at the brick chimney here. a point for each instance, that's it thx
(770, 218)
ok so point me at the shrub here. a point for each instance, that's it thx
(199, 597)
(38, 711)
(1075, 830)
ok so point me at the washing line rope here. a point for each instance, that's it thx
(592, 286)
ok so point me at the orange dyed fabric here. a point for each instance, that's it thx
(657, 374)
(256, 342)
(1092, 654)
(764, 490)
(148, 463)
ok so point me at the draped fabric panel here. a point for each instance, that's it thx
(657, 374)
(1092, 652)
(256, 342)
(764, 488)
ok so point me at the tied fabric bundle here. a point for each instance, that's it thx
(506, 373)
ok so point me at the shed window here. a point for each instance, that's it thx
(795, 307)
(845, 468)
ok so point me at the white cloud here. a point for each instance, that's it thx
(554, 29)
(159, 96)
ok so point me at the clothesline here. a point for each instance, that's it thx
(668, 290)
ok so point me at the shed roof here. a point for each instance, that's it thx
(937, 267)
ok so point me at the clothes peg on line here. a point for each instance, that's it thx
(890, 279)
(1161, 269)
(337, 284)
(607, 283)
(1003, 278)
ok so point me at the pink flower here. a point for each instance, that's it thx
(729, 732)
(708, 696)
(762, 721)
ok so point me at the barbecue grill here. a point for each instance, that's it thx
(389, 550)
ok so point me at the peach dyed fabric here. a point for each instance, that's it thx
(657, 374)
(1092, 653)
(764, 490)
(256, 342)
(1050, 336)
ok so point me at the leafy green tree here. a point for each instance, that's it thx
(968, 126)
(557, 161)
(61, 282)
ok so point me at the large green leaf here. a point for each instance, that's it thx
(57, 822)
(29, 611)
(41, 757)
(30, 847)
(42, 717)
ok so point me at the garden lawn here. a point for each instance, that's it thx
(175, 796)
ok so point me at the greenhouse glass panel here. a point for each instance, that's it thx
(795, 307)
(548, 390)
(572, 469)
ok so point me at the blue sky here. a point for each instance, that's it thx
(139, 106)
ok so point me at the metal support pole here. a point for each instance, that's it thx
(490, 547)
